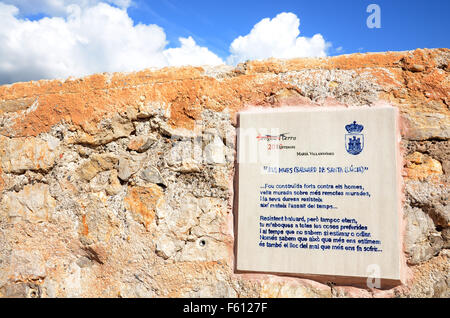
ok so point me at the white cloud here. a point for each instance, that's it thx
(59, 7)
(94, 39)
(91, 36)
(277, 37)
(191, 54)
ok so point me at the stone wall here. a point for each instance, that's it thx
(118, 185)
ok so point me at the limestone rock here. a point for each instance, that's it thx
(204, 249)
(152, 175)
(221, 289)
(98, 163)
(417, 68)
(422, 241)
(272, 288)
(167, 247)
(107, 130)
(185, 156)
(210, 220)
(106, 181)
(420, 166)
(142, 202)
(20, 290)
(28, 264)
(446, 237)
(180, 222)
(98, 223)
(141, 143)
(20, 154)
(127, 167)
(214, 152)
(34, 204)
(432, 198)
(114, 185)
(438, 150)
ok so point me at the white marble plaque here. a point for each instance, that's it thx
(318, 192)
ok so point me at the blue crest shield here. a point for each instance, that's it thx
(354, 143)
(354, 140)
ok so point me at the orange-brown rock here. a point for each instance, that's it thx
(21, 154)
(83, 103)
(141, 143)
(420, 166)
(142, 203)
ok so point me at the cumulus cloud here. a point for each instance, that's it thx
(59, 7)
(277, 37)
(100, 38)
(191, 54)
(77, 38)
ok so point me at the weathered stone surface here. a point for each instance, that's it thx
(420, 166)
(431, 198)
(34, 204)
(438, 150)
(430, 279)
(141, 143)
(16, 105)
(422, 241)
(98, 223)
(114, 185)
(277, 288)
(152, 175)
(20, 154)
(107, 130)
(120, 185)
(142, 202)
(28, 264)
(446, 237)
(97, 164)
(185, 156)
(20, 290)
(127, 167)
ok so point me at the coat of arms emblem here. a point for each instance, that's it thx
(354, 140)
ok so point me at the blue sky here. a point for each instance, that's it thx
(44, 39)
(405, 24)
